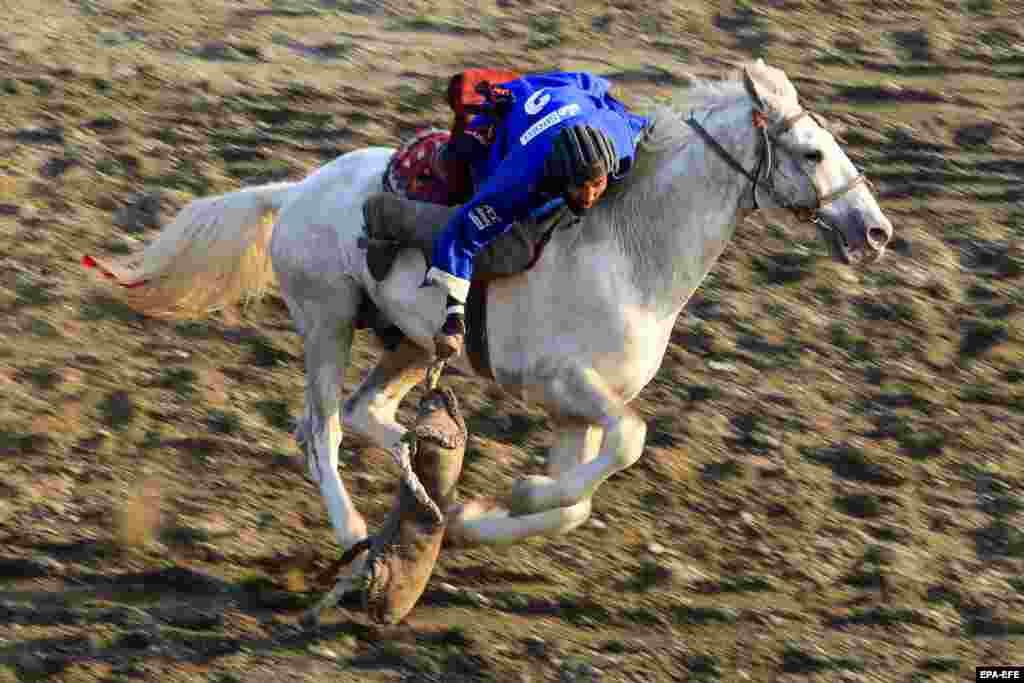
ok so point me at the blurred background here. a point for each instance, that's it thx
(831, 489)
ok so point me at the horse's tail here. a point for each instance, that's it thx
(214, 253)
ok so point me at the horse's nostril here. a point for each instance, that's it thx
(878, 237)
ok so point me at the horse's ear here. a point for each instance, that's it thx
(754, 90)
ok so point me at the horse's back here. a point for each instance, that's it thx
(315, 237)
(341, 183)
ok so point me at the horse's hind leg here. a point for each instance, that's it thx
(327, 335)
(370, 410)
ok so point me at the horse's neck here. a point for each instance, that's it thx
(674, 225)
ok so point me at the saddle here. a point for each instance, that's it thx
(431, 165)
(394, 223)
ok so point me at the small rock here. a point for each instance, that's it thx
(210, 553)
(721, 366)
(136, 640)
(141, 212)
(40, 135)
(606, 661)
(765, 442)
(183, 616)
(478, 599)
(125, 617)
(157, 548)
(514, 602)
(940, 520)
(976, 135)
(37, 666)
(655, 548)
(52, 566)
(536, 646)
(595, 523)
(573, 670)
(57, 166)
(130, 670)
(220, 52)
(1004, 144)
(24, 568)
(761, 463)
(124, 72)
(322, 651)
(891, 88)
(104, 123)
(684, 574)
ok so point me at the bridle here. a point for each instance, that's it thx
(763, 176)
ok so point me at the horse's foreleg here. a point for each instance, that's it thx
(580, 392)
(328, 345)
(370, 410)
(475, 522)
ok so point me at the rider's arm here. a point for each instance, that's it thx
(506, 197)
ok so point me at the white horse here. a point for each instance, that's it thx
(581, 333)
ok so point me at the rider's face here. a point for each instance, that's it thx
(586, 195)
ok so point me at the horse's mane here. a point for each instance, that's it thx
(633, 202)
(667, 130)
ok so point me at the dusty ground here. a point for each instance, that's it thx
(832, 485)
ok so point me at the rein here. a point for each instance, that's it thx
(762, 176)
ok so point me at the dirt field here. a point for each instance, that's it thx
(831, 489)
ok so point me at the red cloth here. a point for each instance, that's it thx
(90, 262)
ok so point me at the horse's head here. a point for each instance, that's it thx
(805, 170)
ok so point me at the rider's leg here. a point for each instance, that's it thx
(416, 310)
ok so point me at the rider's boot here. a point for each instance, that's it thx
(450, 340)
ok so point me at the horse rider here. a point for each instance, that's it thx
(544, 137)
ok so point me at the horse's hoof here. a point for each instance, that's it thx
(526, 495)
(461, 516)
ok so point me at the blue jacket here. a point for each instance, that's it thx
(508, 177)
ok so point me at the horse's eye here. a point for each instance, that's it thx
(815, 156)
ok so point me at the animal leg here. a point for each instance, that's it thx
(328, 344)
(477, 522)
(480, 522)
(581, 392)
(370, 410)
